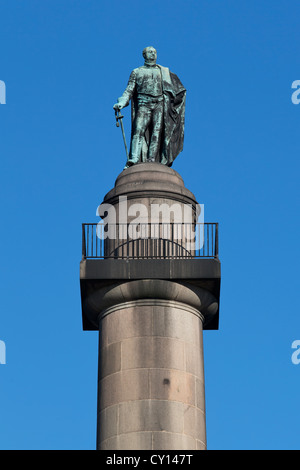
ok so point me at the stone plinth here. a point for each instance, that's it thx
(150, 193)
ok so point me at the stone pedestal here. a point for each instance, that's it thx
(151, 203)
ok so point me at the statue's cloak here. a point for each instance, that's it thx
(173, 118)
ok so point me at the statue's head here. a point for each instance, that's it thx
(150, 55)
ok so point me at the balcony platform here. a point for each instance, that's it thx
(198, 272)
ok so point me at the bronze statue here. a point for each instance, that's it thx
(158, 108)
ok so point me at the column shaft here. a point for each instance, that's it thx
(151, 378)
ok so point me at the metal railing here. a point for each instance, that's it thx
(150, 241)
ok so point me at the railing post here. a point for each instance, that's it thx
(217, 241)
(83, 242)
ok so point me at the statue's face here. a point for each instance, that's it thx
(150, 54)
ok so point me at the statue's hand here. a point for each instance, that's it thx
(117, 106)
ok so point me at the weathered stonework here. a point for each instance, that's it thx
(150, 315)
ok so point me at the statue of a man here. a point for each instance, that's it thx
(158, 109)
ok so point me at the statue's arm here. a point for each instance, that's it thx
(127, 95)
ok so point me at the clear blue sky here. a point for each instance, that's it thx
(64, 64)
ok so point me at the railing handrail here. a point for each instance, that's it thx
(203, 245)
(152, 223)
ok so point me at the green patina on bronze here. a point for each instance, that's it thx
(158, 108)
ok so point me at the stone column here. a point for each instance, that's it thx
(151, 377)
(150, 317)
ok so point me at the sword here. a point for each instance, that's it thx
(119, 117)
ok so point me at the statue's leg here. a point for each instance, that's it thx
(141, 123)
(157, 117)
